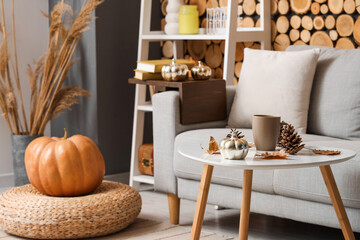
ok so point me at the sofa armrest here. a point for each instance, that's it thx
(166, 125)
(230, 95)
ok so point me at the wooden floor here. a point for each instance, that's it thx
(225, 222)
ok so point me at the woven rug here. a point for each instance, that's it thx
(143, 229)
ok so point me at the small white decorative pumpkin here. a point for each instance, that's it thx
(233, 146)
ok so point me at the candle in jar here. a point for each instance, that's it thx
(188, 19)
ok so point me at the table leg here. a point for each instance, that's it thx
(245, 205)
(201, 201)
(337, 202)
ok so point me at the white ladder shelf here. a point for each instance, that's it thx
(231, 37)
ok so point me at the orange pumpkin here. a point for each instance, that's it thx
(64, 166)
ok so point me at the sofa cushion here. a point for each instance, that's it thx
(190, 169)
(335, 104)
(308, 184)
(274, 83)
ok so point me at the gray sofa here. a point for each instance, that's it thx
(298, 194)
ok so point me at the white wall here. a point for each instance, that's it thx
(31, 39)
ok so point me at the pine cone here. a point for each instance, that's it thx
(289, 139)
(281, 129)
(238, 133)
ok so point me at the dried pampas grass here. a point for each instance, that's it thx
(48, 96)
(66, 97)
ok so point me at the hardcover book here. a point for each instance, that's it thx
(154, 66)
(143, 75)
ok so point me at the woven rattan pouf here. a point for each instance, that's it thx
(26, 212)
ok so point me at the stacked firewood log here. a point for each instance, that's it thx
(332, 23)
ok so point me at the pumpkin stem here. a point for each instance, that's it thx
(66, 134)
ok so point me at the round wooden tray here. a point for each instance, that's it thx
(26, 212)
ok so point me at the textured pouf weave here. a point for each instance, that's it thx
(26, 212)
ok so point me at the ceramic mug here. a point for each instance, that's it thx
(266, 131)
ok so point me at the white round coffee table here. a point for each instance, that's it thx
(305, 158)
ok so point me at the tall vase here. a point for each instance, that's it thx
(19, 145)
(172, 16)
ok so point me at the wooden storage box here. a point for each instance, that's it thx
(146, 159)
(200, 101)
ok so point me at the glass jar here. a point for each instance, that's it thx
(188, 19)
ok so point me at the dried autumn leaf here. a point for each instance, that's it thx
(213, 146)
(272, 155)
(209, 151)
(326, 152)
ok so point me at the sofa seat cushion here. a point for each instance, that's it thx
(308, 184)
(190, 169)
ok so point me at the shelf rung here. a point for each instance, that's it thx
(250, 36)
(160, 35)
(144, 179)
(145, 107)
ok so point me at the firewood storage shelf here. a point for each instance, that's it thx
(232, 35)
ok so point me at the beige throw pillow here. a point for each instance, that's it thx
(274, 83)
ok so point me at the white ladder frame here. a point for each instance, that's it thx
(231, 37)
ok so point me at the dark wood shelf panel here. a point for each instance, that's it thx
(163, 83)
(200, 101)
